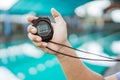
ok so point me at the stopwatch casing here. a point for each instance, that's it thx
(44, 28)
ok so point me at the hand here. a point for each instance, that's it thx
(59, 36)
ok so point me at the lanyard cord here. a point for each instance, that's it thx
(81, 50)
(110, 59)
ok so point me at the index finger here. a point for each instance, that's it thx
(30, 19)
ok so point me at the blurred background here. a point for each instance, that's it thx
(93, 25)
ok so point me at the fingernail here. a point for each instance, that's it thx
(38, 39)
(33, 30)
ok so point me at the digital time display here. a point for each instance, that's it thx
(43, 28)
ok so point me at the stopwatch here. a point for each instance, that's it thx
(44, 28)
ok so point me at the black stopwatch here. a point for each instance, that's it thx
(44, 28)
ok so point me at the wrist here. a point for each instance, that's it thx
(64, 43)
(63, 49)
(67, 51)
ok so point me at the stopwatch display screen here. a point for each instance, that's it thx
(43, 28)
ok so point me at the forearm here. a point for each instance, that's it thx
(73, 68)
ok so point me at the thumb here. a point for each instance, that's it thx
(56, 15)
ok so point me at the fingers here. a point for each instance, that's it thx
(30, 19)
(37, 40)
(41, 44)
(56, 15)
(34, 38)
(32, 29)
(31, 35)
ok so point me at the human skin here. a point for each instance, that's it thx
(73, 68)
